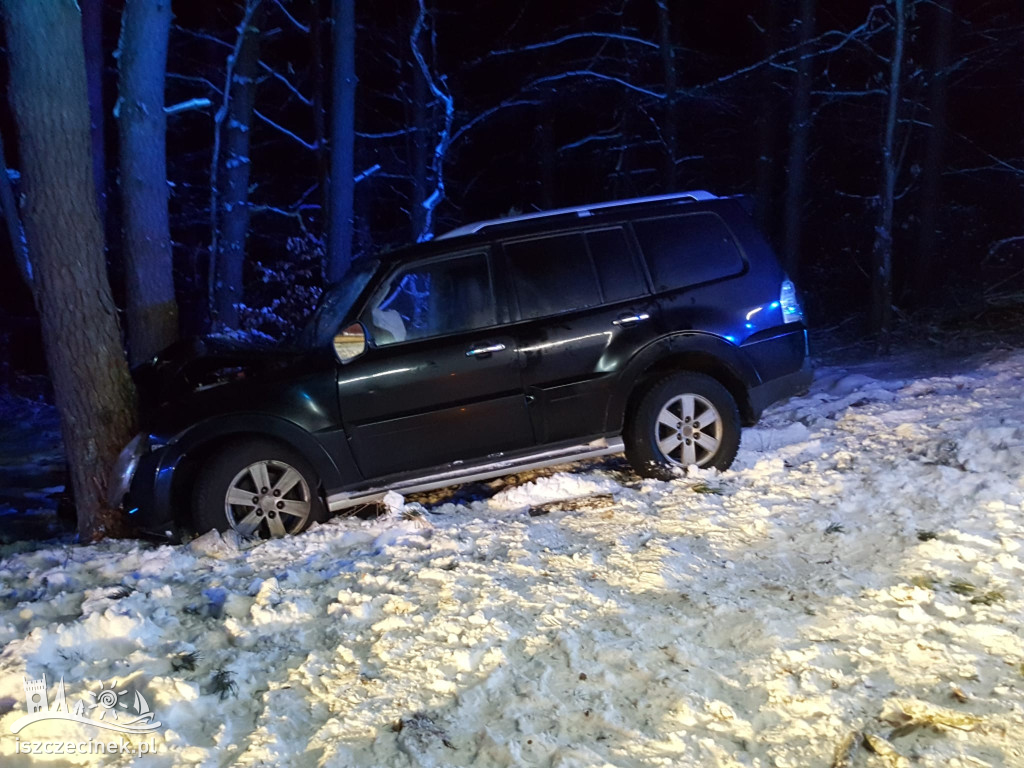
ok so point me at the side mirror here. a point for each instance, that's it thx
(350, 343)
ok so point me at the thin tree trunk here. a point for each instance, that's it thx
(152, 310)
(799, 146)
(931, 177)
(12, 220)
(235, 174)
(881, 274)
(92, 40)
(420, 152)
(767, 127)
(668, 63)
(343, 102)
(316, 28)
(93, 388)
(214, 268)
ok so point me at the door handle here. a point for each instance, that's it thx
(630, 319)
(484, 351)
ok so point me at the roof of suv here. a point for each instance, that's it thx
(580, 211)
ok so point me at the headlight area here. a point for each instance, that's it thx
(124, 469)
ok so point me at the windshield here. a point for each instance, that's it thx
(336, 304)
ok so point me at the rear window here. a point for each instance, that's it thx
(687, 250)
(552, 275)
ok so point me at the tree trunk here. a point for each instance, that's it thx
(881, 272)
(668, 63)
(799, 146)
(316, 29)
(92, 40)
(343, 102)
(420, 153)
(12, 221)
(931, 177)
(235, 174)
(93, 388)
(152, 311)
(767, 128)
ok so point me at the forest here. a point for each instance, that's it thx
(177, 169)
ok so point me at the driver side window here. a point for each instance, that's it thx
(434, 298)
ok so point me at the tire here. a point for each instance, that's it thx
(660, 437)
(242, 487)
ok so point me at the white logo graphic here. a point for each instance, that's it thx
(125, 716)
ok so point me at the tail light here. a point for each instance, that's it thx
(792, 312)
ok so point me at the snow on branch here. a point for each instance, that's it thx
(186, 106)
(285, 131)
(589, 73)
(567, 38)
(298, 24)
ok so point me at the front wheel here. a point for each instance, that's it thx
(684, 419)
(260, 488)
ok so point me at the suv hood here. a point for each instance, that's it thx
(201, 363)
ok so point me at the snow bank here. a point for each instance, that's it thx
(859, 571)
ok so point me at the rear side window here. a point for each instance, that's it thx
(616, 268)
(687, 250)
(552, 275)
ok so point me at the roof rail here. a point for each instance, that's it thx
(580, 210)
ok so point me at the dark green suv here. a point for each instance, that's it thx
(654, 326)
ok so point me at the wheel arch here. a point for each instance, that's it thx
(689, 352)
(184, 456)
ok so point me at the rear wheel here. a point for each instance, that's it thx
(682, 420)
(260, 488)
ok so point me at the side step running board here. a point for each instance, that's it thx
(472, 474)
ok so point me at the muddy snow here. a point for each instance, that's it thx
(854, 582)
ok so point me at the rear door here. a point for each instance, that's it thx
(441, 381)
(582, 310)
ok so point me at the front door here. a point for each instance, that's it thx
(441, 382)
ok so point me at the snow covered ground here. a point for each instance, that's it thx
(857, 574)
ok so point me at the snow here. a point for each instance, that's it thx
(858, 570)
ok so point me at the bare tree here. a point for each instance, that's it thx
(152, 310)
(232, 219)
(668, 63)
(799, 140)
(343, 103)
(935, 148)
(93, 388)
(881, 262)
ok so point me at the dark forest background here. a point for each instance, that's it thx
(243, 152)
(532, 105)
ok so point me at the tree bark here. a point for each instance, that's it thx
(343, 101)
(881, 273)
(799, 146)
(82, 340)
(668, 63)
(235, 174)
(935, 148)
(152, 310)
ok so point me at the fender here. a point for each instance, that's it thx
(334, 470)
(707, 345)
